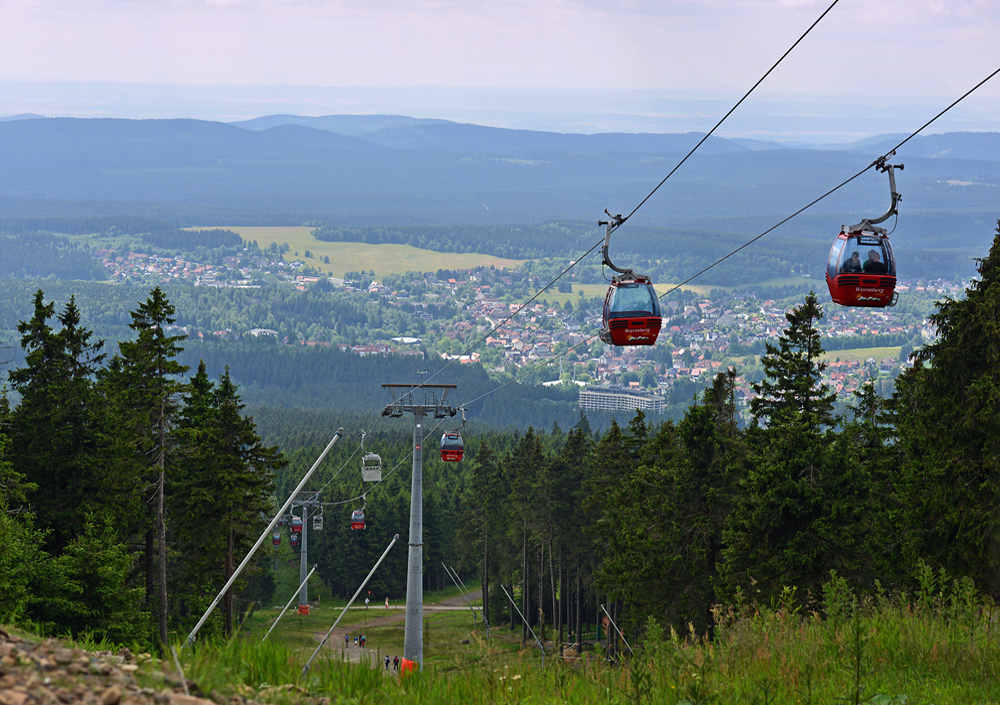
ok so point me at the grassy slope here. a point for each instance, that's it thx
(894, 650)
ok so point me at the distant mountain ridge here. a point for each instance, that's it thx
(400, 132)
(397, 170)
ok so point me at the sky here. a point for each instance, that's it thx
(870, 66)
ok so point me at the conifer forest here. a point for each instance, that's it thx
(131, 485)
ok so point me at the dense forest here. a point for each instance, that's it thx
(126, 492)
(41, 254)
(129, 488)
(672, 519)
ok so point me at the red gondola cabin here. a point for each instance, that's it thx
(357, 520)
(276, 538)
(296, 525)
(294, 540)
(452, 447)
(631, 312)
(861, 270)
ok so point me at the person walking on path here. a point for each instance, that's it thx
(387, 602)
(387, 662)
(347, 641)
(367, 600)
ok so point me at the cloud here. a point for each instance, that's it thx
(891, 48)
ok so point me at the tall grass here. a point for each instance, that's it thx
(938, 645)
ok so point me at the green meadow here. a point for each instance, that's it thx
(359, 256)
(861, 354)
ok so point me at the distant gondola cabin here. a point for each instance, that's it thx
(357, 520)
(296, 525)
(276, 538)
(452, 446)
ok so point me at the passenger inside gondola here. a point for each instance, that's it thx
(635, 299)
(874, 265)
(852, 265)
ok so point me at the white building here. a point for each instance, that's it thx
(620, 399)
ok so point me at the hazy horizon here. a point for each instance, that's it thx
(790, 120)
(556, 65)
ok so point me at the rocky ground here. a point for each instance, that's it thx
(49, 673)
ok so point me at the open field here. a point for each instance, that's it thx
(358, 256)
(860, 354)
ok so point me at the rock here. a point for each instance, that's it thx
(181, 699)
(63, 655)
(111, 696)
(13, 697)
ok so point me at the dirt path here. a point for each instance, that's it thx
(380, 617)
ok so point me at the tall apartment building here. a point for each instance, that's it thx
(620, 399)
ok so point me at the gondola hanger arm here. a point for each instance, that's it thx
(882, 164)
(612, 224)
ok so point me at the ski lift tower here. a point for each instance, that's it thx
(421, 401)
(305, 500)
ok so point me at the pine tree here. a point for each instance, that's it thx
(83, 590)
(482, 518)
(521, 470)
(190, 501)
(792, 391)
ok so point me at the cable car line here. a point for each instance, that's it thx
(758, 237)
(724, 117)
(365, 494)
(618, 220)
(631, 314)
(876, 163)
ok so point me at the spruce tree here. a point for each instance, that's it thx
(19, 553)
(55, 430)
(788, 509)
(145, 379)
(948, 413)
(243, 468)
(190, 502)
